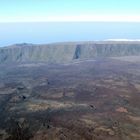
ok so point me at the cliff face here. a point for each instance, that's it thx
(66, 52)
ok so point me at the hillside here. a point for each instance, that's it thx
(66, 52)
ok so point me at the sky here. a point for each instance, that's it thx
(50, 32)
(48, 21)
(69, 10)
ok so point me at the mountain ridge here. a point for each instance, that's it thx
(63, 52)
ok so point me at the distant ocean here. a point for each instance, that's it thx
(49, 32)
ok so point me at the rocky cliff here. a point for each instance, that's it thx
(66, 52)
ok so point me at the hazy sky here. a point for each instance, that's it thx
(49, 32)
(122, 20)
(69, 10)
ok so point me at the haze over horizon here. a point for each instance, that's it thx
(50, 32)
(51, 21)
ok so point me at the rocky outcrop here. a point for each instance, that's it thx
(66, 52)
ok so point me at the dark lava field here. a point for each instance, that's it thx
(97, 99)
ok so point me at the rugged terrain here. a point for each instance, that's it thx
(93, 93)
(94, 99)
(67, 52)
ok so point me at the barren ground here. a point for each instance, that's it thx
(88, 100)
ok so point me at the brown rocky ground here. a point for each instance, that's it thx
(88, 100)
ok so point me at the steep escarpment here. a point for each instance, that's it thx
(66, 52)
(30, 53)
